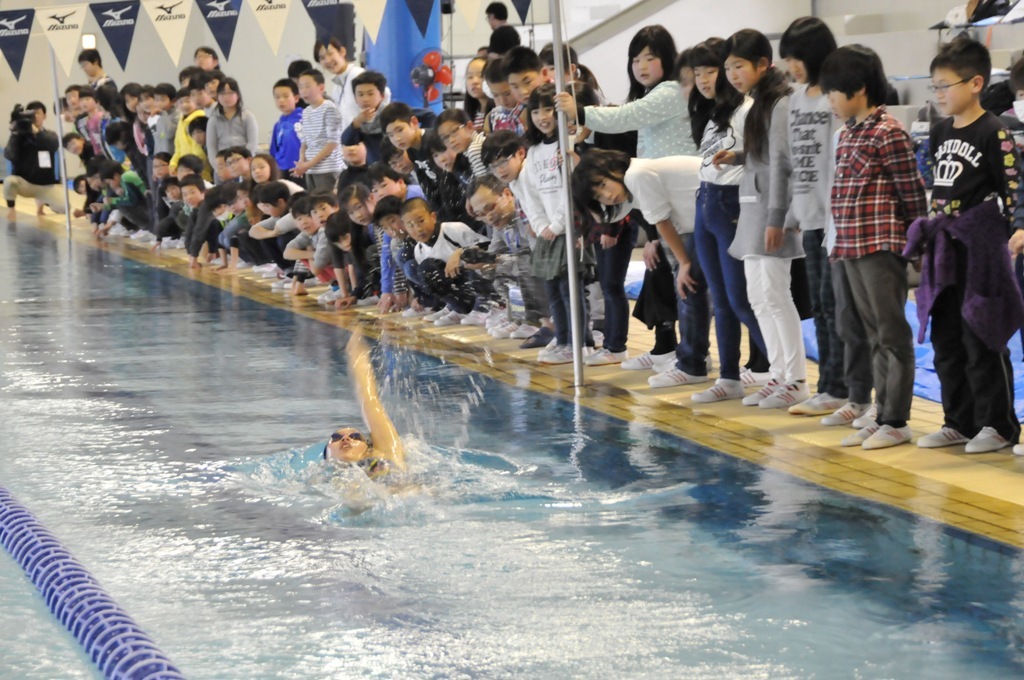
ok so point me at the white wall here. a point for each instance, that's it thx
(690, 22)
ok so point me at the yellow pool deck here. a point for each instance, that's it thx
(981, 494)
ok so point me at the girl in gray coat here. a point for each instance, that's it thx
(763, 244)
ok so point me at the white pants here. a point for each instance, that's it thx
(768, 281)
(50, 194)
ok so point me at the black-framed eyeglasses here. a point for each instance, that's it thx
(944, 88)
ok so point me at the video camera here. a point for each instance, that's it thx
(22, 119)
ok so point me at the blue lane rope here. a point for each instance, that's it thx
(109, 636)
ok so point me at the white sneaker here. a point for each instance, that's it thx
(887, 436)
(751, 379)
(675, 378)
(412, 313)
(1018, 450)
(986, 441)
(216, 262)
(846, 415)
(368, 301)
(722, 390)
(496, 317)
(822, 404)
(281, 284)
(268, 267)
(869, 417)
(560, 354)
(646, 361)
(242, 264)
(524, 331)
(786, 396)
(271, 273)
(762, 394)
(330, 296)
(143, 236)
(449, 319)
(860, 436)
(117, 230)
(475, 318)
(504, 331)
(604, 357)
(947, 436)
(434, 316)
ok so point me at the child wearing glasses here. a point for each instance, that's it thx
(967, 282)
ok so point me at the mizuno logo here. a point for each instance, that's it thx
(169, 9)
(116, 14)
(221, 6)
(10, 24)
(61, 19)
(269, 5)
(322, 3)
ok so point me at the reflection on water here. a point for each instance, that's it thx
(151, 423)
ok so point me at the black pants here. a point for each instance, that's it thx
(463, 293)
(250, 249)
(167, 228)
(977, 382)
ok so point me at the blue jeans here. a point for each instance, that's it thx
(559, 299)
(232, 228)
(694, 316)
(718, 208)
(612, 264)
(414, 278)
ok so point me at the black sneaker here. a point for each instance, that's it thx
(539, 339)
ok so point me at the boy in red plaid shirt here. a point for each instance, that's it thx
(878, 192)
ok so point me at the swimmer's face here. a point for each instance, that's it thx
(347, 445)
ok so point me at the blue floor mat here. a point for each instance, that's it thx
(926, 384)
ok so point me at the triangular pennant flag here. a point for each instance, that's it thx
(170, 18)
(222, 18)
(63, 28)
(271, 15)
(371, 14)
(522, 8)
(421, 11)
(117, 21)
(470, 11)
(15, 29)
(323, 14)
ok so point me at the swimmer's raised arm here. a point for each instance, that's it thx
(386, 442)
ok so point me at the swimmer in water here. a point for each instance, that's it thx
(382, 451)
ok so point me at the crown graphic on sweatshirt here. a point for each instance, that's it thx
(946, 172)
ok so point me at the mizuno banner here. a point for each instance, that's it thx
(271, 15)
(421, 11)
(170, 18)
(15, 28)
(522, 8)
(470, 11)
(371, 14)
(222, 18)
(117, 21)
(63, 28)
(323, 14)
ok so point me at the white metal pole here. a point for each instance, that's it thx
(575, 301)
(60, 141)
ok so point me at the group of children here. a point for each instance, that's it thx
(766, 195)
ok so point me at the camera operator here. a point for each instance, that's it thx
(31, 151)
